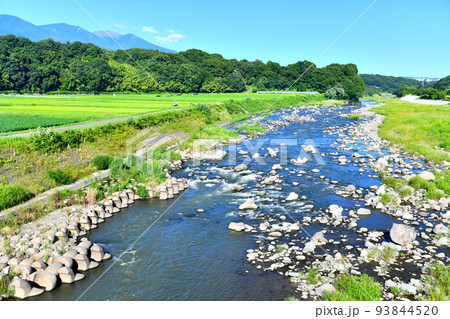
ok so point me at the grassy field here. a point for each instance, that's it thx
(418, 128)
(24, 112)
(22, 163)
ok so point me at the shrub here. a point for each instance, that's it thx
(60, 177)
(142, 191)
(116, 166)
(353, 288)
(12, 195)
(438, 283)
(335, 93)
(102, 161)
(4, 290)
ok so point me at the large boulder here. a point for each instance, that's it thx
(249, 204)
(427, 176)
(45, 279)
(402, 234)
(23, 289)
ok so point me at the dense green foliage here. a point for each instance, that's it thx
(102, 161)
(443, 84)
(406, 90)
(60, 177)
(11, 195)
(376, 83)
(438, 283)
(432, 94)
(353, 288)
(48, 66)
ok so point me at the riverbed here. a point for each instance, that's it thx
(183, 254)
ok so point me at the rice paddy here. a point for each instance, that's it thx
(24, 112)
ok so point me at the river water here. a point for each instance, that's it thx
(184, 255)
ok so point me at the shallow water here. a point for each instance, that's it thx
(185, 255)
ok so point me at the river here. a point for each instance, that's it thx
(185, 255)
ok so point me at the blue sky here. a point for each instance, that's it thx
(396, 37)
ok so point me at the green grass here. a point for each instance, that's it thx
(353, 288)
(13, 122)
(387, 199)
(354, 116)
(215, 132)
(11, 195)
(18, 113)
(280, 248)
(24, 161)
(438, 283)
(4, 283)
(418, 128)
(291, 298)
(251, 130)
(311, 275)
(436, 188)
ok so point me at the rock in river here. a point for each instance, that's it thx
(363, 212)
(292, 196)
(249, 204)
(240, 167)
(402, 234)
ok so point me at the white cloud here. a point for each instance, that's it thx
(119, 26)
(150, 30)
(171, 31)
(171, 38)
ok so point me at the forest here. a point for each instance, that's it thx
(52, 67)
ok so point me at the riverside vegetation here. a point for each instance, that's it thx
(345, 287)
(48, 159)
(48, 66)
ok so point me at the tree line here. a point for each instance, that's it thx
(377, 84)
(439, 91)
(49, 66)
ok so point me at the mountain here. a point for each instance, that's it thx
(63, 32)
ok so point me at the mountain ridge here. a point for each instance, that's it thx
(63, 32)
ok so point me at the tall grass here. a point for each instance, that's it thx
(353, 288)
(418, 128)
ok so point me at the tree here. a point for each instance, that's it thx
(236, 82)
(405, 90)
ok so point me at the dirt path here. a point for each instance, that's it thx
(88, 124)
(415, 99)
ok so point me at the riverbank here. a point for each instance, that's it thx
(27, 161)
(312, 223)
(418, 129)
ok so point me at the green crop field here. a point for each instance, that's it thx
(24, 112)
